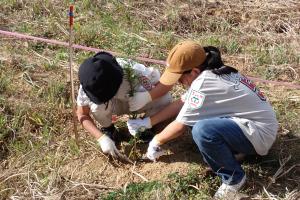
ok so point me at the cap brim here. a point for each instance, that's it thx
(169, 78)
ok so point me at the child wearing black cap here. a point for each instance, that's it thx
(103, 92)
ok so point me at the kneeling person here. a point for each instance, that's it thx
(103, 92)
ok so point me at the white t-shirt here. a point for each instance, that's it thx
(147, 78)
(233, 96)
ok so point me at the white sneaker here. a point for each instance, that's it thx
(229, 191)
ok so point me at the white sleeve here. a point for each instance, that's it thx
(141, 69)
(82, 98)
(150, 72)
(148, 76)
(122, 62)
(154, 76)
(194, 99)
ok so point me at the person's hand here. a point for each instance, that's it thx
(108, 146)
(139, 100)
(136, 125)
(154, 151)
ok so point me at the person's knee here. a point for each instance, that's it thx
(204, 134)
(202, 128)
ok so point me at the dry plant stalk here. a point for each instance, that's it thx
(281, 172)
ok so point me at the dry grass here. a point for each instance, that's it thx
(39, 158)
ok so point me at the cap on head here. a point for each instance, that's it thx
(183, 57)
(100, 77)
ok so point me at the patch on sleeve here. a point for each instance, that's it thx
(195, 99)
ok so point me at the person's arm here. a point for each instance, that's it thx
(159, 90)
(83, 115)
(140, 99)
(173, 130)
(106, 143)
(168, 112)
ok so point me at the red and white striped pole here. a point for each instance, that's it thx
(71, 22)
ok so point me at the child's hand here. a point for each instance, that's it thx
(108, 146)
(136, 125)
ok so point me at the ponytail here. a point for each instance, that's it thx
(214, 62)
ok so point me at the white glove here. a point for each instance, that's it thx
(136, 125)
(154, 151)
(155, 75)
(108, 146)
(139, 100)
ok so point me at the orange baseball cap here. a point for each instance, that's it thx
(183, 57)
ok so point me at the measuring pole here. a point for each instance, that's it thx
(71, 22)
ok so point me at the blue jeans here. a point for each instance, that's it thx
(218, 139)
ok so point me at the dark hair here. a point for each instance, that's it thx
(214, 62)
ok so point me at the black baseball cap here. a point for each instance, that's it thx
(100, 77)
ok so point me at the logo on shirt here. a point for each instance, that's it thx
(244, 80)
(195, 99)
(145, 82)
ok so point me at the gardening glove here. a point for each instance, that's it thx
(154, 151)
(139, 100)
(136, 125)
(108, 146)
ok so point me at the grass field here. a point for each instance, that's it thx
(39, 158)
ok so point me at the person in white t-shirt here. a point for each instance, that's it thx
(227, 113)
(103, 92)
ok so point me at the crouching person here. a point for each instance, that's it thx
(103, 92)
(227, 113)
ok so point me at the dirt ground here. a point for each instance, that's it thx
(39, 158)
(93, 167)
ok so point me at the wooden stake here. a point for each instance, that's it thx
(71, 21)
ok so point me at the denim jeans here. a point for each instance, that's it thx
(218, 139)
